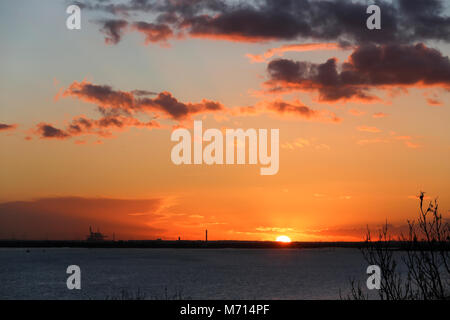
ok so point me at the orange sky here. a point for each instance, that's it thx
(350, 154)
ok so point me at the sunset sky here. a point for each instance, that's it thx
(86, 117)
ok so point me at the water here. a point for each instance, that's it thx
(191, 273)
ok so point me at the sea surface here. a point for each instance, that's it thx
(40, 273)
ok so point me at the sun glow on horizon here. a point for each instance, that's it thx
(283, 239)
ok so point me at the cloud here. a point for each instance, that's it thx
(287, 75)
(356, 113)
(102, 95)
(393, 136)
(113, 30)
(82, 125)
(353, 232)
(70, 217)
(119, 111)
(291, 110)
(7, 127)
(427, 19)
(274, 229)
(434, 102)
(412, 145)
(265, 20)
(47, 131)
(301, 110)
(128, 102)
(301, 47)
(368, 129)
(432, 97)
(368, 67)
(301, 143)
(196, 216)
(297, 109)
(166, 103)
(297, 143)
(154, 33)
(406, 140)
(378, 115)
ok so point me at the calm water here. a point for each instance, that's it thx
(195, 273)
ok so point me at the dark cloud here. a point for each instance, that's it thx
(282, 107)
(101, 127)
(248, 24)
(426, 19)
(47, 131)
(398, 65)
(128, 102)
(102, 95)
(154, 32)
(113, 30)
(369, 66)
(402, 20)
(166, 103)
(70, 217)
(6, 127)
(297, 109)
(85, 125)
(119, 109)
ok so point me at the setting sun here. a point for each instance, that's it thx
(283, 239)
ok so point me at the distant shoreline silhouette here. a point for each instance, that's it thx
(187, 244)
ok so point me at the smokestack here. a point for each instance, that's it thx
(206, 235)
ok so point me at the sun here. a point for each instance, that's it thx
(283, 239)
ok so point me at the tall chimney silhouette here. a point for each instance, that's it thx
(206, 235)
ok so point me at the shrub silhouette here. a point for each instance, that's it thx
(424, 251)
